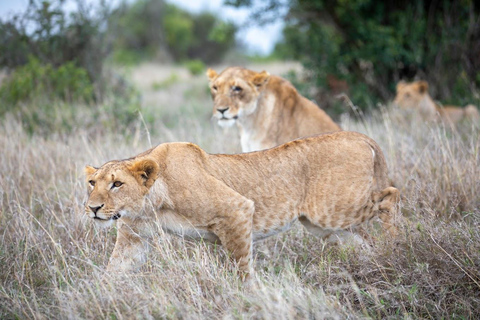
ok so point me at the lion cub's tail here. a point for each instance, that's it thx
(471, 112)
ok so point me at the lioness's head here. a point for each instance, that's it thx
(118, 188)
(235, 92)
(410, 95)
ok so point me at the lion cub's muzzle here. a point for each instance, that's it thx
(97, 214)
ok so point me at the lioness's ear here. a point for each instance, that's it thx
(400, 85)
(89, 170)
(211, 74)
(260, 78)
(146, 171)
(422, 86)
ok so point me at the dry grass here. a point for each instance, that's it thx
(52, 259)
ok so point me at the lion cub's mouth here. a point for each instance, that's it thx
(114, 217)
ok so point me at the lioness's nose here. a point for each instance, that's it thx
(95, 209)
(222, 110)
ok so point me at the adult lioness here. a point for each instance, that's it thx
(414, 96)
(331, 183)
(267, 109)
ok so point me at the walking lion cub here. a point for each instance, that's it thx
(331, 183)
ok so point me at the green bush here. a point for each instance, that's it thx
(171, 80)
(195, 67)
(51, 99)
(373, 44)
(213, 38)
(35, 81)
(56, 37)
(151, 27)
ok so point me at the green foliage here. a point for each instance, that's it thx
(55, 61)
(151, 28)
(51, 99)
(178, 27)
(212, 38)
(195, 67)
(37, 81)
(138, 26)
(171, 80)
(46, 31)
(45, 117)
(373, 44)
(127, 57)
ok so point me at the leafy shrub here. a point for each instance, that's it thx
(37, 81)
(57, 38)
(172, 79)
(49, 99)
(151, 27)
(56, 63)
(195, 67)
(137, 29)
(373, 44)
(213, 38)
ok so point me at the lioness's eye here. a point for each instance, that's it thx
(236, 89)
(214, 88)
(92, 183)
(117, 184)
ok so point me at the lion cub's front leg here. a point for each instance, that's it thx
(234, 230)
(129, 251)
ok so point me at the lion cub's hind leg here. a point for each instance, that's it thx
(387, 201)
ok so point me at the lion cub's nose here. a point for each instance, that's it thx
(222, 110)
(95, 209)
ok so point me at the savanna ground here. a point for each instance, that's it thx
(52, 259)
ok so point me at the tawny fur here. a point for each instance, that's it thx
(331, 183)
(414, 96)
(267, 109)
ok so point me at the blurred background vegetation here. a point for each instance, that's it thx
(362, 48)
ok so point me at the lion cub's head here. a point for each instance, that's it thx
(118, 188)
(410, 95)
(235, 92)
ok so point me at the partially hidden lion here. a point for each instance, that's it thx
(331, 183)
(267, 109)
(414, 96)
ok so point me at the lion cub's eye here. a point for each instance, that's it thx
(117, 184)
(236, 88)
(92, 183)
(214, 88)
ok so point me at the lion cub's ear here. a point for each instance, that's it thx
(89, 170)
(422, 86)
(211, 74)
(260, 78)
(145, 171)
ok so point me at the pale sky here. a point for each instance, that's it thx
(258, 39)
